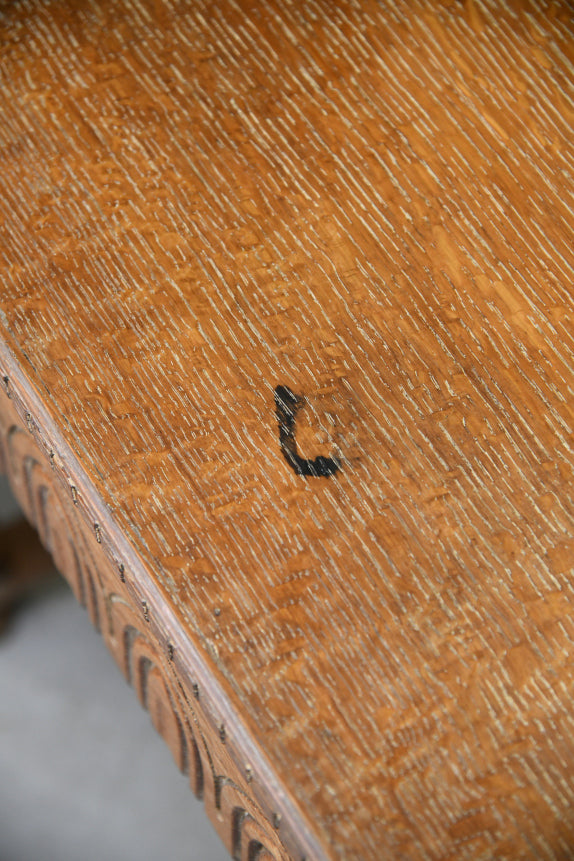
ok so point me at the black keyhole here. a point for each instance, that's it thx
(287, 404)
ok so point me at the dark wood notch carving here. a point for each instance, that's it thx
(287, 405)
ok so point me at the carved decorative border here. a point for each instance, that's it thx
(205, 742)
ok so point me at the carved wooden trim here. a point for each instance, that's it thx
(207, 744)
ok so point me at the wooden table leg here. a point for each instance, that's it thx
(24, 567)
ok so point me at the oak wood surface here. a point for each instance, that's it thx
(370, 206)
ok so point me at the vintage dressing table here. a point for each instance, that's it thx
(286, 357)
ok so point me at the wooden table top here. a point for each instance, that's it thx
(290, 287)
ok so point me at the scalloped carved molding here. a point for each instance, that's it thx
(49, 497)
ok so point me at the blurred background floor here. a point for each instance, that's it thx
(83, 774)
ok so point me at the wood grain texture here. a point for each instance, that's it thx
(183, 709)
(371, 205)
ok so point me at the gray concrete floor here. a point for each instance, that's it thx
(83, 774)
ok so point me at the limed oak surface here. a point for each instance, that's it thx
(369, 205)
